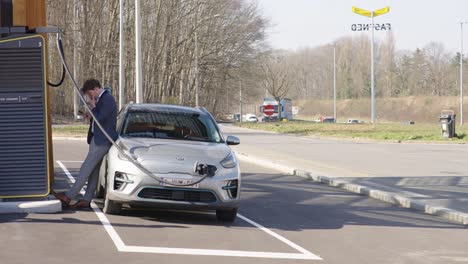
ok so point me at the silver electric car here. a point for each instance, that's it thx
(180, 145)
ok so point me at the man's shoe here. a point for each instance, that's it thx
(62, 197)
(81, 204)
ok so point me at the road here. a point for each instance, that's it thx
(334, 225)
(430, 173)
(348, 158)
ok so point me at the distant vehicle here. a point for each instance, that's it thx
(353, 121)
(251, 118)
(224, 118)
(325, 119)
(272, 111)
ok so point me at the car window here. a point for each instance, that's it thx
(171, 125)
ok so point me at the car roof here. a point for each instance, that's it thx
(165, 108)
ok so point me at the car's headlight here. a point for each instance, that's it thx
(229, 162)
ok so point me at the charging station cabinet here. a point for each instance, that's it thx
(25, 147)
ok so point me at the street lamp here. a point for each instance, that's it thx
(121, 56)
(372, 14)
(461, 72)
(138, 70)
(75, 61)
(196, 56)
(334, 81)
(240, 101)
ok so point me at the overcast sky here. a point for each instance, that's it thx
(415, 23)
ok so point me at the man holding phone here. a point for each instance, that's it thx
(104, 108)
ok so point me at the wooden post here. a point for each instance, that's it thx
(31, 13)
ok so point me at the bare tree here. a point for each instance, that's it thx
(276, 77)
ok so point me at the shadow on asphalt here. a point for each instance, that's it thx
(273, 200)
(293, 203)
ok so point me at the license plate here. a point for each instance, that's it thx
(178, 182)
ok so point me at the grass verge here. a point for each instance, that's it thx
(386, 131)
(70, 131)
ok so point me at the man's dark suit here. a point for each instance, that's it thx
(106, 113)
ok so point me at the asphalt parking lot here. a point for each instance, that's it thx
(283, 219)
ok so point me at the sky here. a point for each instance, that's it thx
(415, 23)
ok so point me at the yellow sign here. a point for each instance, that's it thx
(367, 13)
(361, 12)
(381, 11)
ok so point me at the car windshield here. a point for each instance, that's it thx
(171, 125)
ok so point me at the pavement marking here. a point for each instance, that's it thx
(121, 247)
(102, 217)
(275, 235)
(223, 253)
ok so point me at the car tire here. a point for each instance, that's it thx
(100, 190)
(226, 215)
(111, 207)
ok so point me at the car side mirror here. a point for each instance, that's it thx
(232, 140)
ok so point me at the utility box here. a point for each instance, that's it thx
(26, 166)
(447, 123)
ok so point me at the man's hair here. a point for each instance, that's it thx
(90, 85)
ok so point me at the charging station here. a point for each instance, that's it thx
(26, 160)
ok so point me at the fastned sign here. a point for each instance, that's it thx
(366, 27)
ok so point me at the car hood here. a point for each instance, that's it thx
(174, 156)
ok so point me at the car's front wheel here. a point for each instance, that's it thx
(110, 207)
(100, 189)
(226, 215)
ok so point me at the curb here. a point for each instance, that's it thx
(388, 197)
(53, 206)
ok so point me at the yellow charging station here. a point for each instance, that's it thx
(26, 158)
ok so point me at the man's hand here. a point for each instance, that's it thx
(92, 102)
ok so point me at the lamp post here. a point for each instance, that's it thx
(372, 14)
(121, 57)
(138, 79)
(196, 57)
(461, 72)
(196, 69)
(75, 63)
(240, 101)
(334, 81)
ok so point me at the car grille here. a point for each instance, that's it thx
(178, 195)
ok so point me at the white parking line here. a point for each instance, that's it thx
(102, 217)
(120, 245)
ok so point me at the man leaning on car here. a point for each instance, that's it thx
(104, 108)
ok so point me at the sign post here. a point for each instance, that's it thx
(372, 14)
